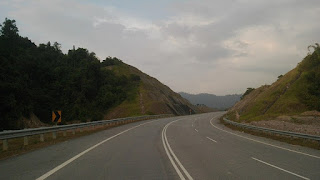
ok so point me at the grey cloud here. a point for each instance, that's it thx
(212, 53)
(230, 38)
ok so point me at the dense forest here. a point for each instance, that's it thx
(40, 79)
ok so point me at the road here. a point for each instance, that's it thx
(185, 147)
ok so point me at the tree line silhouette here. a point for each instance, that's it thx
(39, 79)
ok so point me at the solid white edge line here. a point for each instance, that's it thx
(196, 130)
(169, 156)
(280, 169)
(49, 173)
(298, 152)
(173, 154)
(211, 139)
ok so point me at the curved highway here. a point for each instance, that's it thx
(185, 147)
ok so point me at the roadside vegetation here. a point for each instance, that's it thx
(37, 79)
(294, 93)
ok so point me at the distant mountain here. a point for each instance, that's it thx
(211, 100)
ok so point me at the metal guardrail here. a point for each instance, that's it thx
(274, 131)
(54, 129)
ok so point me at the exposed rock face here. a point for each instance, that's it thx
(31, 122)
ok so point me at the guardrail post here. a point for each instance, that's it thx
(73, 131)
(54, 135)
(81, 130)
(25, 141)
(5, 144)
(64, 133)
(41, 137)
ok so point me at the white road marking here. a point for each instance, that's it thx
(166, 143)
(298, 152)
(280, 169)
(196, 130)
(195, 119)
(211, 139)
(170, 158)
(84, 152)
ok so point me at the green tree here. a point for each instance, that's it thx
(9, 29)
(248, 91)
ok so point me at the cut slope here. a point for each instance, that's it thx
(152, 97)
(294, 93)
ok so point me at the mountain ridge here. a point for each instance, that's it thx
(212, 100)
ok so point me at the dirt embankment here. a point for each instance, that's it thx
(306, 123)
(31, 122)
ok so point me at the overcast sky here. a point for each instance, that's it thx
(201, 46)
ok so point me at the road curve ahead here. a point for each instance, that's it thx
(185, 147)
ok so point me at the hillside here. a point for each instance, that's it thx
(211, 100)
(204, 108)
(38, 79)
(294, 98)
(152, 97)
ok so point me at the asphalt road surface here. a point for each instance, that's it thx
(185, 147)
